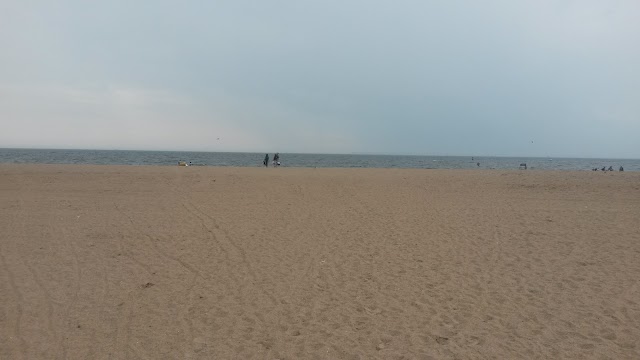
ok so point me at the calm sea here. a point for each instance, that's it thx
(125, 157)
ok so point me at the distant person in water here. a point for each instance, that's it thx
(478, 164)
(266, 160)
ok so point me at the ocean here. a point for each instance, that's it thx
(165, 158)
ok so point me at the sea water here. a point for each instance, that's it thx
(126, 157)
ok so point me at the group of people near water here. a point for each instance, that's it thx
(276, 160)
(604, 168)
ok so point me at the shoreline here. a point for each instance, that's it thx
(284, 168)
(309, 160)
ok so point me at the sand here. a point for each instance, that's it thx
(137, 262)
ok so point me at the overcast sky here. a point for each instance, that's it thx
(494, 77)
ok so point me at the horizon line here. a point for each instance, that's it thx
(328, 153)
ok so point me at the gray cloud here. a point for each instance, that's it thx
(456, 77)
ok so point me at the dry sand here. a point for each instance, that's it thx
(109, 262)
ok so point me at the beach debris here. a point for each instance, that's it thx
(442, 340)
(148, 285)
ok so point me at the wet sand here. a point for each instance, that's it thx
(117, 262)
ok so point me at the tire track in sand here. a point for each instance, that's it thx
(47, 299)
(19, 301)
(76, 291)
(203, 216)
(72, 242)
(240, 286)
(123, 331)
(124, 251)
(78, 280)
(212, 235)
(188, 328)
(24, 347)
(77, 268)
(155, 247)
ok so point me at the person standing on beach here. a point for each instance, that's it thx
(266, 160)
(276, 159)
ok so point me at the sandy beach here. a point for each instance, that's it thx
(128, 262)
